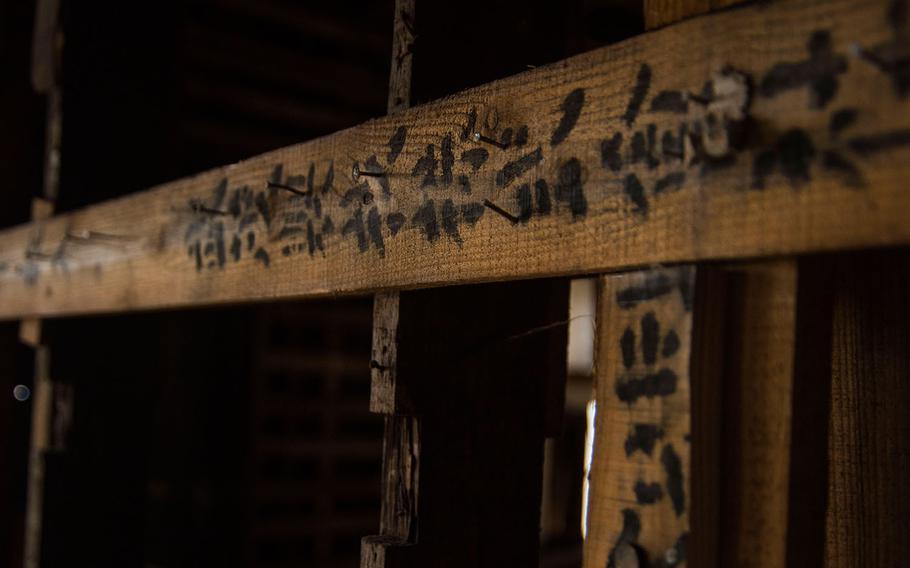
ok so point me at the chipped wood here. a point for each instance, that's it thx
(46, 46)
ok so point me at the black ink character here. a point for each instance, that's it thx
(819, 72)
(225, 227)
(649, 378)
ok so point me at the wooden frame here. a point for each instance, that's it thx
(761, 132)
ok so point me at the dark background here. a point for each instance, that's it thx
(185, 445)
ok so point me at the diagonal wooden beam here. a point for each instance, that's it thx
(758, 131)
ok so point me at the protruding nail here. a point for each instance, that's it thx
(496, 208)
(870, 56)
(478, 137)
(356, 172)
(198, 207)
(294, 190)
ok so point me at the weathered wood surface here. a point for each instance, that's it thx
(757, 387)
(41, 437)
(662, 12)
(868, 502)
(641, 476)
(401, 430)
(651, 150)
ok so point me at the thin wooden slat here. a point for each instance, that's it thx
(402, 56)
(46, 46)
(42, 413)
(633, 155)
(52, 407)
(644, 475)
(759, 350)
(401, 433)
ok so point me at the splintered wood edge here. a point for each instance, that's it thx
(758, 131)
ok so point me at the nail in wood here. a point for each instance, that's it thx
(490, 205)
(200, 208)
(357, 172)
(294, 190)
(478, 137)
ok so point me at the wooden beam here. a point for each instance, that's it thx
(653, 150)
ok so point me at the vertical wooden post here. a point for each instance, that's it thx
(46, 48)
(401, 438)
(868, 501)
(645, 467)
(40, 441)
(759, 367)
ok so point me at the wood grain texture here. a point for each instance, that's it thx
(660, 13)
(645, 151)
(384, 396)
(868, 513)
(402, 56)
(759, 353)
(640, 475)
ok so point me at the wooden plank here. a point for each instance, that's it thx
(821, 167)
(758, 371)
(641, 472)
(868, 512)
(659, 13)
